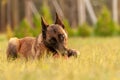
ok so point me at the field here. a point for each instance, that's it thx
(99, 60)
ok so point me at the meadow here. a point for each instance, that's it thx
(99, 60)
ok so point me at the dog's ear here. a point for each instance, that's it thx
(44, 27)
(58, 21)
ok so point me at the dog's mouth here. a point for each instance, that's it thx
(56, 49)
(62, 52)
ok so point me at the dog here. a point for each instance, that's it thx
(52, 40)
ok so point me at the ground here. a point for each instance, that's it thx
(99, 60)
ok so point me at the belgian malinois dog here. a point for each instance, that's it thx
(52, 40)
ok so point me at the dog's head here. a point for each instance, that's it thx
(54, 35)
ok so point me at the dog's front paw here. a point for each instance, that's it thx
(72, 52)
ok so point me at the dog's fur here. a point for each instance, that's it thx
(52, 40)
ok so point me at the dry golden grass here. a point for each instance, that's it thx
(99, 60)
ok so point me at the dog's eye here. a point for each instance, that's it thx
(61, 37)
(53, 41)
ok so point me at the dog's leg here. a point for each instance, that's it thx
(12, 49)
(72, 52)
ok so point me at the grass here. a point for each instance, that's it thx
(99, 60)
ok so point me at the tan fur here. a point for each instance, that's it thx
(26, 47)
(53, 39)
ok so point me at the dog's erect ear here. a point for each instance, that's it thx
(44, 23)
(58, 21)
(44, 27)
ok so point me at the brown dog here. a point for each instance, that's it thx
(52, 40)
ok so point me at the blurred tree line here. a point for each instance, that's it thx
(15, 12)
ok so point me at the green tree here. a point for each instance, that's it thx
(105, 26)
